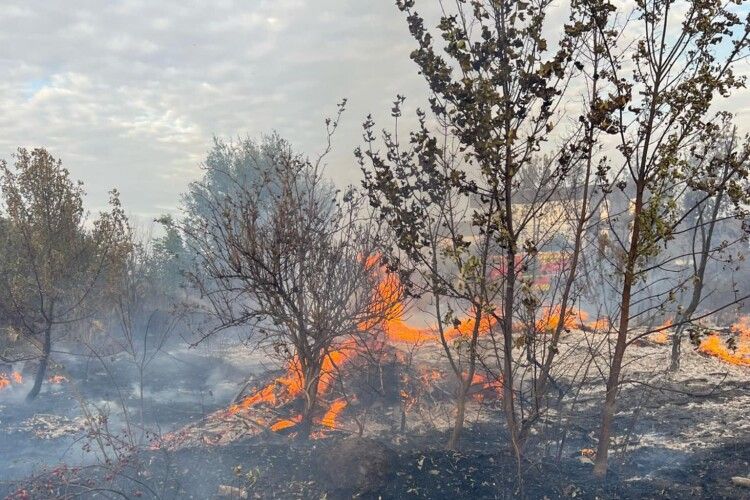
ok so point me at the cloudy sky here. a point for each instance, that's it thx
(129, 93)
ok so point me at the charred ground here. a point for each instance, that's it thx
(686, 438)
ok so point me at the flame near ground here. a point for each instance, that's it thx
(737, 354)
(8, 379)
(288, 387)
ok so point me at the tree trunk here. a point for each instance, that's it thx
(698, 283)
(676, 347)
(41, 371)
(311, 382)
(403, 418)
(608, 412)
(458, 424)
(508, 403)
(613, 382)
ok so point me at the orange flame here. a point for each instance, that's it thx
(493, 386)
(466, 328)
(396, 328)
(550, 319)
(7, 380)
(398, 331)
(286, 423)
(598, 325)
(330, 417)
(289, 385)
(57, 379)
(713, 345)
(265, 395)
(661, 337)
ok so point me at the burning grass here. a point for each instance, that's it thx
(735, 351)
(332, 414)
(9, 379)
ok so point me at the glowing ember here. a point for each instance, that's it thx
(57, 379)
(661, 337)
(713, 345)
(330, 417)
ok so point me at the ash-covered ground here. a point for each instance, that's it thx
(181, 385)
(681, 435)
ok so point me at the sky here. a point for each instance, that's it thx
(130, 93)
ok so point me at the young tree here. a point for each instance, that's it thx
(436, 253)
(288, 256)
(56, 262)
(678, 67)
(701, 230)
(495, 97)
(167, 259)
(139, 296)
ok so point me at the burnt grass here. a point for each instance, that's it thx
(283, 468)
(421, 469)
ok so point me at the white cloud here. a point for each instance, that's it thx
(129, 94)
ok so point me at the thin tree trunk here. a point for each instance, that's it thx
(676, 349)
(698, 283)
(458, 424)
(608, 412)
(613, 381)
(311, 382)
(41, 371)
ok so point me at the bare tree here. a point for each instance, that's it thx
(145, 323)
(292, 259)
